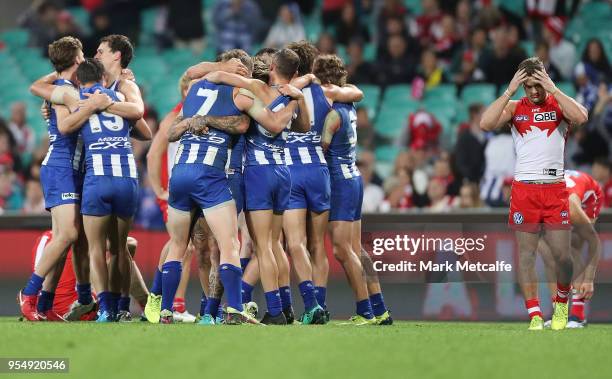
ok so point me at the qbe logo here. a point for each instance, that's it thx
(518, 218)
(545, 116)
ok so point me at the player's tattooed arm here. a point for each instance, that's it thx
(330, 127)
(229, 124)
(179, 126)
(302, 123)
(346, 94)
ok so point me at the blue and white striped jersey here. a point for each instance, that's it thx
(108, 150)
(305, 148)
(236, 154)
(341, 152)
(264, 147)
(65, 150)
(206, 98)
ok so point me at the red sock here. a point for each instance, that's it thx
(533, 307)
(562, 293)
(179, 304)
(578, 307)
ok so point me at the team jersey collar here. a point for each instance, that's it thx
(92, 89)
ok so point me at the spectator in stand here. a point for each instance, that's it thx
(399, 67)
(359, 70)
(326, 44)
(398, 193)
(601, 117)
(464, 20)
(428, 23)
(500, 62)
(34, 201)
(65, 26)
(332, 11)
(125, 18)
(40, 21)
(602, 173)
(287, 28)
(23, 135)
(469, 196)
(99, 20)
(445, 39)
(9, 156)
(442, 170)
(489, 16)
(350, 26)
(499, 165)
(373, 194)
(469, 150)
(468, 71)
(365, 129)
(439, 201)
(562, 52)
(368, 159)
(586, 93)
(596, 63)
(395, 26)
(542, 51)
(430, 69)
(395, 10)
(423, 130)
(237, 24)
(10, 191)
(186, 24)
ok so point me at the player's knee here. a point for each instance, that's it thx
(68, 236)
(341, 252)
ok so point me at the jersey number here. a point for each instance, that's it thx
(210, 96)
(353, 120)
(110, 121)
(310, 105)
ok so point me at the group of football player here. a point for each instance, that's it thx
(259, 165)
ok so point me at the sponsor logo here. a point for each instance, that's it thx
(70, 196)
(545, 116)
(518, 218)
(564, 214)
(533, 110)
(549, 171)
(521, 117)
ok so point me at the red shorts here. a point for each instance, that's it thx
(163, 205)
(534, 205)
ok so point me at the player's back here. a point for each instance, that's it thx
(207, 99)
(108, 150)
(341, 153)
(583, 185)
(65, 150)
(305, 148)
(539, 132)
(264, 147)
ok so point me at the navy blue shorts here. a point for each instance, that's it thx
(195, 185)
(236, 185)
(310, 187)
(346, 199)
(109, 195)
(267, 187)
(60, 185)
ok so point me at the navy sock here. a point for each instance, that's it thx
(219, 313)
(104, 301)
(231, 278)
(156, 288)
(84, 292)
(171, 276)
(247, 292)
(124, 303)
(364, 308)
(203, 302)
(273, 300)
(212, 306)
(114, 302)
(321, 294)
(34, 285)
(308, 294)
(45, 301)
(244, 262)
(285, 294)
(378, 304)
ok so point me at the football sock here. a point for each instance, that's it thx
(321, 294)
(533, 307)
(247, 292)
(156, 288)
(179, 304)
(285, 295)
(378, 304)
(114, 302)
(212, 306)
(104, 302)
(562, 293)
(231, 278)
(171, 276)
(34, 285)
(124, 303)
(577, 310)
(45, 301)
(244, 262)
(84, 292)
(203, 302)
(308, 294)
(273, 301)
(364, 309)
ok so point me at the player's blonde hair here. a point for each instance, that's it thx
(183, 84)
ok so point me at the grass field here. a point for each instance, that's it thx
(405, 350)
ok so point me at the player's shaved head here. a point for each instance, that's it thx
(531, 65)
(90, 71)
(307, 52)
(261, 68)
(63, 53)
(238, 54)
(329, 68)
(122, 44)
(286, 63)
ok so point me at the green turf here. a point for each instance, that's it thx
(405, 350)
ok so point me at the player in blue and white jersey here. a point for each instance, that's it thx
(267, 180)
(339, 140)
(198, 181)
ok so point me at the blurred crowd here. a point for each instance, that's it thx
(385, 43)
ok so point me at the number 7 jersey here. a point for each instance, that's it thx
(108, 150)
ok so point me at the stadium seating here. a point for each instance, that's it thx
(478, 93)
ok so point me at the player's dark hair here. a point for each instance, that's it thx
(605, 162)
(122, 44)
(531, 65)
(261, 69)
(329, 68)
(63, 52)
(265, 51)
(286, 62)
(90, 71)
(238, 54)
(307, 52)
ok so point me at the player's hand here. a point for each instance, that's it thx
(97, 100)
(291, 91)
(519, 78)
(541, 77)
(235, 66)
(586, 290)
(127, 74)
(44, 111)
(197, 125)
